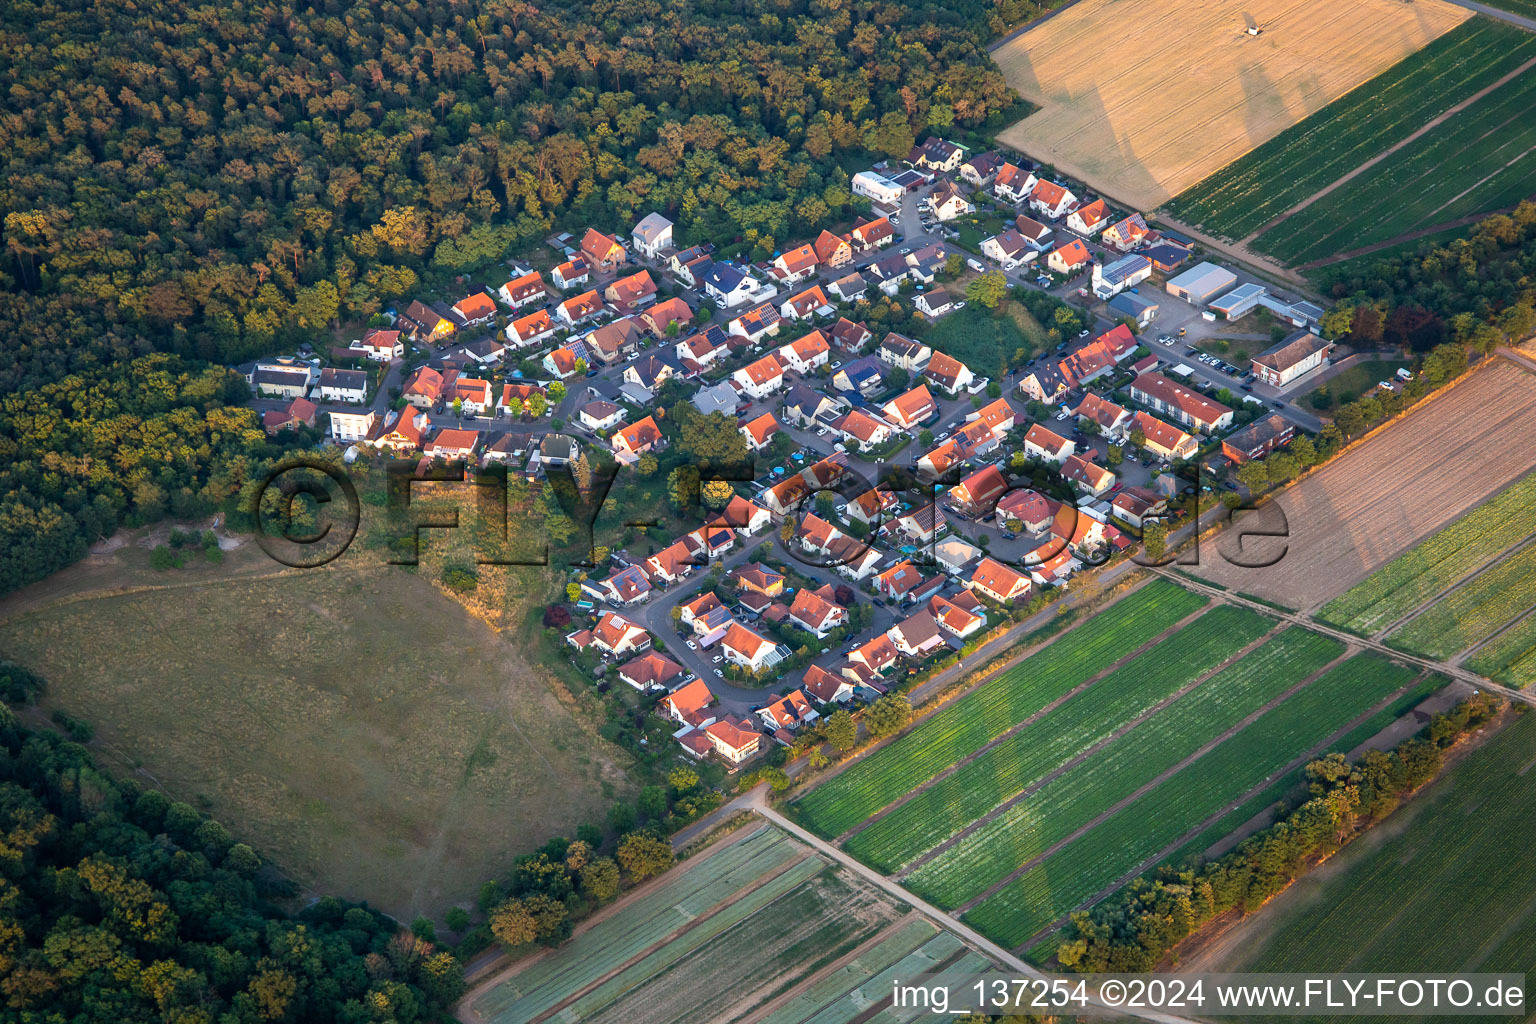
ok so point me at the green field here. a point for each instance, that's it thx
(1031, 753)
(1350, 383)
(968, 724)
(1444, 885)
(1509, 658)
(1429, 567)
(1319, 149)
(1482, 158)
(1133, 836)
(988, 340)
(1067, 803)
(1323, 278)
(1473, 610)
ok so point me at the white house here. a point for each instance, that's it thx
(1051, 199)
(528, 331)
(352, 426)
(1014, 184)
(343, 385)
(523, 291)
(1090, 219)
(741, 646)
(877, 187)
(761, 378)
(947, 202)
(652, 235)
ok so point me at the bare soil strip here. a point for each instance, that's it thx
(1052, 706)
(1163, 776)
(1072, 763)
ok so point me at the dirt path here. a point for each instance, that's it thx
(1073, 762)
(1014, 729)
(1153, 783)
(1171, 848)
(1345, 179)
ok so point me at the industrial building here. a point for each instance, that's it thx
(1201, 283)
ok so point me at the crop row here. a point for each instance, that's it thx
(1510, 658)
(911, 935)
(1478, 155)
(1131, 837)
(1092, 787)
(1475, 609)
(1033, 752)
(1376, 115)
(1423, 571)
(970, 723)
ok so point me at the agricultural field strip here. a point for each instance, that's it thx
(617, 940)
(658, 960)
(866, 964)
(1457, 877)
(850, 1005)
(971, 963)
(1422, 183)
(1137, 688)
(1009, 737)
(1466, 581)
(1132, 764)
(1247, 194)
(1437, 562)
(1510, 656)
(1473, 610)
(1136, 837)
(969, 722)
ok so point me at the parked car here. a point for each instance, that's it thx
(717, 659)
(692, 646)
(1277, 405)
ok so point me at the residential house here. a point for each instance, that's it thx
(936, 303)
(744, 517)
(1126, 234)
(403, 434)
(788, 712)
(600, 415)
(811, 302)
(903, 352)
(888, 273)
(1183, 405)
(1044, 383)
(1256, 440)
(520, 394)
(697, 612)
(1069, 258)
(651, 671)
(937, 155)
(343, 386)
(486, 350)
(528, 331)
(561, 363)
(960, 614)
(862, 375)
(352, 426)
(878, 655)
(451, 444)
(761, 378)
(579, 308)
(660, 317)
(727, 285)
(948, 374)
(426, 387)
(475, 310)
(700, 351)
(686, 705)
(672, 562)
(860, 427)
(615, 341)
(874, 234)
(632, 292)
(685, 261)
(805, 354)
(474, 396)
(425, 324)
(759, 432)
(1055, 570)
(921, 526)
(1166, 257)
(1050, 199)
(1026, 510)
(380, 346)
(977, 494)
(806, 407)
(298, 413)
(1299, 354)
(1007, 248)
(1038, 235)
(795, 265)
(898, 581)
(916, 636)
(635, 440)
(1164, 440)
(759, 322)
(1135, 505)
(651, 370)
(1090, 477)
(982, 168)
(954, 553)
(877, 187)
(912, 409)
(1112, 420)
(757, 578)
(826, 687)
(749, 649)
(817, 612)
(524, 291)
(282, 378)
(557, 450)
(571, 273)
(871, 507)
(602, 251)
(997, 416)
(734, 741)
(848, 289)
(652, 235)
(1089, 219)
(1014, 184)
(995, 580)
(947, 202)
(832, 251)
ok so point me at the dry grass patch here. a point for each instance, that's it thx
(353, 723)
(1144, 99)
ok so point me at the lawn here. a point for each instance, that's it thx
(1251, 191)
(1443, 885)
(1130, 839)
(988, 341)
(1480, 159)
(1092, 787)
(1031, 753)
(371, 738)
(1349, 384)
(1473, 610)
(971, 722)
(1429, 567)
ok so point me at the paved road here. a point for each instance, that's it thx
(1493, 12)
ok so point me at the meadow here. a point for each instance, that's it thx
(1473, 610)
(1036, 824)
(1130, 840)
(989, 341)
(1430, 566)
(1451, 864)
(371, 738)
(1246, 194)
(1028, 755)
(969, 723)
(1479, 159)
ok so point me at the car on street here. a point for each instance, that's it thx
(1166, 339)
(1247, 387)
(717, 659)
(692, 646)
(905, 251)
(719, 674)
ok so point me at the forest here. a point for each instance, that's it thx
(224, 181)
(119, 906)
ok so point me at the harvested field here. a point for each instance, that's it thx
(759, 928)
(1404, 483)
(1144, 130)
(357, 727)
(1445, 883)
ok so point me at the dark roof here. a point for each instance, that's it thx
(723, 277)
(1258, 433)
